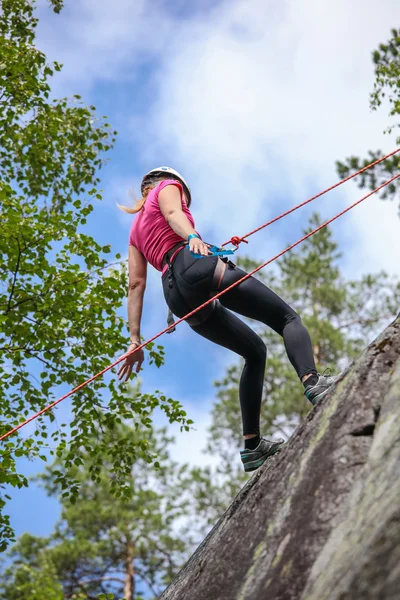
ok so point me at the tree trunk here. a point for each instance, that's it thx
(321, 519)
(129, 585)
(316, 352)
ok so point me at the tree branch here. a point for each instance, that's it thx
(365, 321)
(161, 551)
(19, 303)
(146, 579)
(31, 352)
(54, 288)
(14, 278)
(87, 275)
(98, 579)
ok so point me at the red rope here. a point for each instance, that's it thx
(235, 240)
(79, 387)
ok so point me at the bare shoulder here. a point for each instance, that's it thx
(170, 199)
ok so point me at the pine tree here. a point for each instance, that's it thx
(386, 91)
(107, 543)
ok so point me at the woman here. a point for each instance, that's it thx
(159, 235)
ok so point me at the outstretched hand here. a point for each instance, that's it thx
(125, 370)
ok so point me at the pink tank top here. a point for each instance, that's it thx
(150, 232)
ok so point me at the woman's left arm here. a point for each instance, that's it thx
(137, 285)
(169, 200)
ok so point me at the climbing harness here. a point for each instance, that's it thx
(214, 251)
(215, 283)
(168, 259)
(235, 241)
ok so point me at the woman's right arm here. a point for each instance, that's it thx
(169, 200)
(137, 285)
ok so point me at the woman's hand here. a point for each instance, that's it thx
(197, 246)
(126, 367)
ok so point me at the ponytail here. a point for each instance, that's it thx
(132, 210)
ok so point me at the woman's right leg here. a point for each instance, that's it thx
(254, 300)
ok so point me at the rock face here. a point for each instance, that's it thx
(321, 519)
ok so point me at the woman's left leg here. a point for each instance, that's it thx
(225, 329)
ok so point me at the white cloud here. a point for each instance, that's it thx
(261, 103)
(98, 41)
(254, 101)
(371, 234)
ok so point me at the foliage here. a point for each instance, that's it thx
(386, 91)
(30, 575)
(103, 544)
(211, 490)
(341, 316)
(59, 295)
(57, 5)
(49, 151)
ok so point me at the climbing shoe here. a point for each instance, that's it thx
(252, 459)
(314, 393)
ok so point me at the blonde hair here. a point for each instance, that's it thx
(132, 210)
(151, 183)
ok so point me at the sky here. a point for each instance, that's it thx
(252, 101)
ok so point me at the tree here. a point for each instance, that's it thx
(342, 317)
(59, 295)
(386, 91)
(102, 543)
(31, 575)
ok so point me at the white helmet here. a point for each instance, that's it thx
(174, 175)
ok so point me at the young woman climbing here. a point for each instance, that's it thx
(159, 235)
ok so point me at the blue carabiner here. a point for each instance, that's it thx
(214, 250)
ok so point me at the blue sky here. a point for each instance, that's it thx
(253, 101)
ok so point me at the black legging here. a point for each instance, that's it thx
(190, 286)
